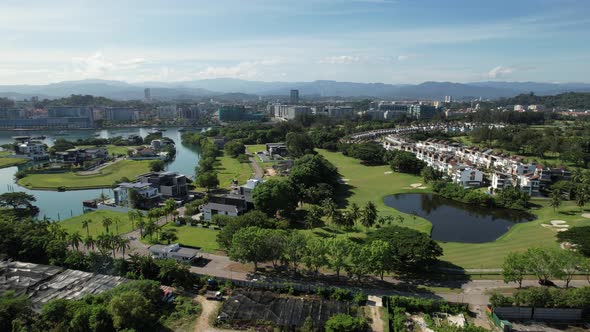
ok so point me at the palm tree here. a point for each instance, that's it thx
(123, 244)
(168, 235)
(329, 208)
(116, 221)
(141, 225)
(75, 240)
(86, 224)
(555, 199)
(131, 215)
(89, 242)
(355, 212)
(169, 206)
(106, 222)
(581, 198)
(369, 215)
(103, 243)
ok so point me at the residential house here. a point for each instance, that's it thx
(530, 183)
(467, 176)
(228, 205)
(169, 184)
(276, 149)
(501, 181)
(34, 150)
(149, 195)
(73, 156)
(175, 251)
(246, 189)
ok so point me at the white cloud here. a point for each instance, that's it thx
(246, 69)
(96, 65)
(404, 57)
(500, 71)
(341, 60)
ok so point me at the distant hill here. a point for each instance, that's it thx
(236, 90)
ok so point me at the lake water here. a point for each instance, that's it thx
(63, 205)
(453, 221)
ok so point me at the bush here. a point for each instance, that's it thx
(345, 323)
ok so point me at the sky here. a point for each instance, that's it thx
(389, 41)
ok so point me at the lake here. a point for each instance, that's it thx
(454, 221)
(63, 205)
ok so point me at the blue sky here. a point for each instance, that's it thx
(397, 41)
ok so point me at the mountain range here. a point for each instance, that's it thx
(242, 89)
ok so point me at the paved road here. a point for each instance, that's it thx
(258, 171)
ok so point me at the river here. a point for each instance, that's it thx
(63, 205)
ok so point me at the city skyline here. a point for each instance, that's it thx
(358, 41)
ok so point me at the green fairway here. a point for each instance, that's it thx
(104, 178)
(519, 238)
(229, 169)
(373, 183)
(9, 162)
(194, 236)
(370, 183)
(95, 228)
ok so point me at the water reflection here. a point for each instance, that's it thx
(458, 222)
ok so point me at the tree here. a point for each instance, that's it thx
(315, 255)
(249, 245)
(157, 166)
(411, 250)
(380, 258)
(311, 170)
(234, 148)
(369, 215)
(581, 197)
(233, 225)
(12, 309)
(17, 200)
(275, 197)
(169, 207)
(106, 223)
(330, 208)
(168, 235)
(555, 201)
(86, 224)
(568, 262)
(313, 217)
(515, 267)
(339, 249)
(298, 144)
(355, 212)
(406, 162)
(345, 323)
(430, 174)
(542, 263)
(360, 261)
(294, 251)
(75, 240)
(207, 180)
(131, 309)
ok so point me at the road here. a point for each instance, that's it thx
(258, 171)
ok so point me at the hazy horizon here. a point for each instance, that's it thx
(364, 41)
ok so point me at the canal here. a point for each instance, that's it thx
(63, 205)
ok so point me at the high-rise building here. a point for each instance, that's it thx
(448, 99)
(294, 96)
(147, 94)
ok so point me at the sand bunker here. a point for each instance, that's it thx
(416, 185)
(557, 225)
(586, 215)
(422, 187)
(557, 222)
(387, 172)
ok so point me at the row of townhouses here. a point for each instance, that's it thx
(471, 166)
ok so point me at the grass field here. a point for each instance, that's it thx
(95, 228)
(370, 183)
(113, 149)
(373, 183)
(194, 236)
(72, 181)
(229, 169)
(9, 162)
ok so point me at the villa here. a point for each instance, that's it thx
(175, 251)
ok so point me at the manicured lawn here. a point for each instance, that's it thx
(8, 162)
(95, 228)
(229, 169)
(370, 183)
(194, 236)
(113, 149)
(255, 148)
(105, 178)
(520, 237)
(373, 183)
